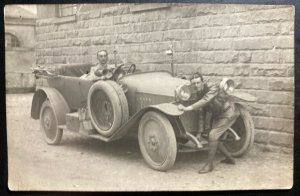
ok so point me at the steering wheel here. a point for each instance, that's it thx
(133, 67)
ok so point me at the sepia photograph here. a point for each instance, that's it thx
(149, 96)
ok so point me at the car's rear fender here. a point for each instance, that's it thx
(58, 102)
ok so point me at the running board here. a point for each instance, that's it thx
(84, 133)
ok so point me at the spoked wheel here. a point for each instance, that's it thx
(157, 141)
(244, 128)
(49, 125)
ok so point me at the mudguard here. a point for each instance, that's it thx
(241, 96)
(167, 108)
(58, 102)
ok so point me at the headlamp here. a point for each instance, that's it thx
(227, 85)
(183, 92)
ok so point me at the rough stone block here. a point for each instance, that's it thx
(210, 70)
(290, 71)
(240, 19)
(40, 61)
(178, 24)
(59, 59)
(258, 57)
(109, 11)
(199, 45)
(281, 84)
(286, 28)
(183, 46)
(280, 139)
(204, 57)
(82, 25)
(209, 9)
(275, 97)
(266, 123)
(212, 44)
(272, 56)
(259, 110)
(72, 34)
(269, 70)
(261, 136)
(190, 57)
(282, 111)
(257, 83)
(160, 26)
(57, 52)
(200, 21)
(182, 12)
(262, 43)
(228, 31)
(94, 14)
(284, 42)
(286, 14)
(243, 70)
(287, 56)
(276, 124)
(225, 57)
(259, 30)
(219, 20)
(244, 57)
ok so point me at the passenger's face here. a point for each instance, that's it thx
(102, 58)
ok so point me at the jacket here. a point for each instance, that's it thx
(212, 99)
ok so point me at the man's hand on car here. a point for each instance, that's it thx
(183, 108)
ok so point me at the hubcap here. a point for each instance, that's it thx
(155, 140)
(49, 123)
(102, 110)
(153, 143)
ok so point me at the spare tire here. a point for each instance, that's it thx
(107, 107)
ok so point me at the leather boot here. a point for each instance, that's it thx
(228, 158)
(208, 166)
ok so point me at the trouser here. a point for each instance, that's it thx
(222, 122)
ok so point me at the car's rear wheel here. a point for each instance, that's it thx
(244, 128)
(49, 124)
(157, 141)
(107, 106)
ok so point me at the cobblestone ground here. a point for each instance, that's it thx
(82, 163)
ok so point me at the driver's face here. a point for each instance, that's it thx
(102, 57)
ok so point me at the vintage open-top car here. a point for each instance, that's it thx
(130, 102)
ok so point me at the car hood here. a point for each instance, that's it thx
(157, 83)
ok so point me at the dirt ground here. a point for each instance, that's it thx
(86, 164)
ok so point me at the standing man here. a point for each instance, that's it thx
(96, 71)
(224, 114)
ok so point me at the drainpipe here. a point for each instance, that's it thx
(170, 52)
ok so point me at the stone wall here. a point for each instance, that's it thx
(18, 60)
(253, 44)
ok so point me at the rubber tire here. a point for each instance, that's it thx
(58, 132)
(171, 143)
(249, 138)
(118, 102)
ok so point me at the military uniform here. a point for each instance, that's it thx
(224, 114)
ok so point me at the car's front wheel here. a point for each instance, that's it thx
(49, 124)
(157, 141)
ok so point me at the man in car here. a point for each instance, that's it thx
(224, 114)
(98, 71)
